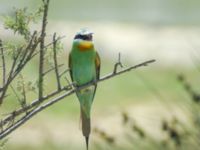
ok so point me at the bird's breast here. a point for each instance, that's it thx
(84, 68)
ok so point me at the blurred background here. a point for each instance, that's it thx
(154, 107)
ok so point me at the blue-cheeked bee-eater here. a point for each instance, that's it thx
(84, 65)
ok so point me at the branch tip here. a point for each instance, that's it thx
(118, 63)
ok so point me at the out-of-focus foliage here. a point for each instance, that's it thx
(20, 21)
(3, 143)
(174, 133)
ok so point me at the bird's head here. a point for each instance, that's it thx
(84, 34)
(83, 40)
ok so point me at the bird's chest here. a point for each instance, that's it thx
(83, 67)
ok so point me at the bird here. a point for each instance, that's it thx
(84, 66)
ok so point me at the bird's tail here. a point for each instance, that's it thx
(85, 126)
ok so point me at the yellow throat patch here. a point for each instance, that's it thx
(85, 45)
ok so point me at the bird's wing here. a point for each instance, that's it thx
(70, 66)
(98, 65)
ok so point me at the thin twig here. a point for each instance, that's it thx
(35, 103)
(10, 76)
(68, 83)
(27, 49)
(46, 46)
(14, 63)
(3, 63)
(62, 73)
(119, 63)
(18, 98)
(14, 72)
(51, 69)
(1, 126)
(23, 104)
(30, 55)
(58, 39)
(55, 61)
(38, 109)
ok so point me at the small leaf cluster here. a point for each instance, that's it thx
(19, 23)
(23, 85)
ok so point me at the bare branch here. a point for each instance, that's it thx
(3, 63)
(1, 126)
(55, 61)
(15, 58)
(18, 98)
(119, 63)
(67, 81)
(14, 72)
(29, 56)
(58, 39)
(32, 113)
(46, 46)
(27, 49)
(34, 104)
(42, 38)
(51, 69)
(23, 104)
(62, 73)
(10, 76)
(126, 70)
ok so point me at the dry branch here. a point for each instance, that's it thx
(3, 63)
(16, 67)
(69, 92)
(55, 61)
(42, 46)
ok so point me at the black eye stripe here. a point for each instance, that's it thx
(84, 37)
(78, 36)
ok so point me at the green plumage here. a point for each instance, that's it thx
(84, 67)
(83, 71)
